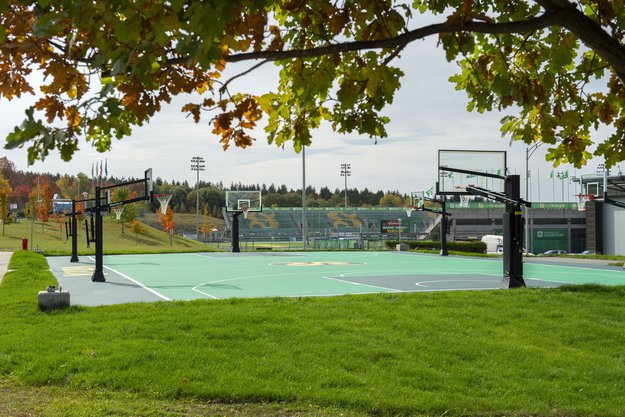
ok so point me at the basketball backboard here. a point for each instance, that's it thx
(238, 200)
(418, 199)
(455, 183)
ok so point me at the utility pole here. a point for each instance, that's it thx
(346, 172)
(197, 165)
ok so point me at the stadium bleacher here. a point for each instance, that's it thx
(285, 223)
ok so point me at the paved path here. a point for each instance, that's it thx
(4, 263)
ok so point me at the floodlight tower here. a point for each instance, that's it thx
(197, 164)
(346, 172)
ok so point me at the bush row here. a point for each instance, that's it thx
(474, 246)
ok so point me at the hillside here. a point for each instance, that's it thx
(50, 237)
(185, 222)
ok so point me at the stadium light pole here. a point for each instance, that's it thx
(304, 202)
(529, 151)
(197, 165)
(346, 172)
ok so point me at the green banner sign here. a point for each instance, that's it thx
(551, 234)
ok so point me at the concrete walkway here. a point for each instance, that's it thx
(5, 257)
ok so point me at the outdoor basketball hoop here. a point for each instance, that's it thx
(409, 210)
(464, 200)
(583, 199)
(163, 199)
(118, 212)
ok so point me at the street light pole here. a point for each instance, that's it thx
(346, 172)
(197, 165)
(529, 151)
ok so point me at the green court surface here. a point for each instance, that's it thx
(225, 275)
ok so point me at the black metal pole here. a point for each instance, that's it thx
(74, 234)
(513, 236)
(235, 231)
(98, 274)
(444, 229)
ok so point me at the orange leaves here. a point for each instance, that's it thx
(65, 79)
(52, 107)
(277, 43)
(232, 125)
(337, 22)
(167, 220)
(194, 109)
(73, 117)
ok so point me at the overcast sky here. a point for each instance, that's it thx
(427, 115)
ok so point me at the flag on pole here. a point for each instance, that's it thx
(106, 167)
(429, 193)
(565, 174)
(551, 175)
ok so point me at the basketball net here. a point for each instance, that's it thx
(164, 200)
(118, 212)
(464, 200)
(409, 210)
(583, 199)
(244, 209)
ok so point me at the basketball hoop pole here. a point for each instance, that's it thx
(98, 273)
(74, 238)
(235, 231)
(512, 223)
(512, 236)
(74, 226)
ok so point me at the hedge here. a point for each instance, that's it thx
(474, 246)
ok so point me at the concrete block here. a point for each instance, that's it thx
(52, 299)
(402, 247)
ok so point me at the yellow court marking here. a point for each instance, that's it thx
(319, 263)
(78, 271)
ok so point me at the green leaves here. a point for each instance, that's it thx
(147, 52)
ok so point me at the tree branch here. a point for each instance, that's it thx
(224, 87)
(568, 16)
(541, 22)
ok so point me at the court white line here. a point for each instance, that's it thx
(364, 285)
(204, 293)
(134, 281)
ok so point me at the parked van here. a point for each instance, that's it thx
(494, 243)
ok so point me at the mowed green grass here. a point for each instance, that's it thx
(50, 237)
(554, 352)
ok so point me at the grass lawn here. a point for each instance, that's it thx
(50, 237)
(553, 352)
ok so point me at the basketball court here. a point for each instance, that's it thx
(208, 276)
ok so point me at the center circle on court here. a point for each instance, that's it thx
(317, 263)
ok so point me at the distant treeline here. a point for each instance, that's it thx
(212, 194)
